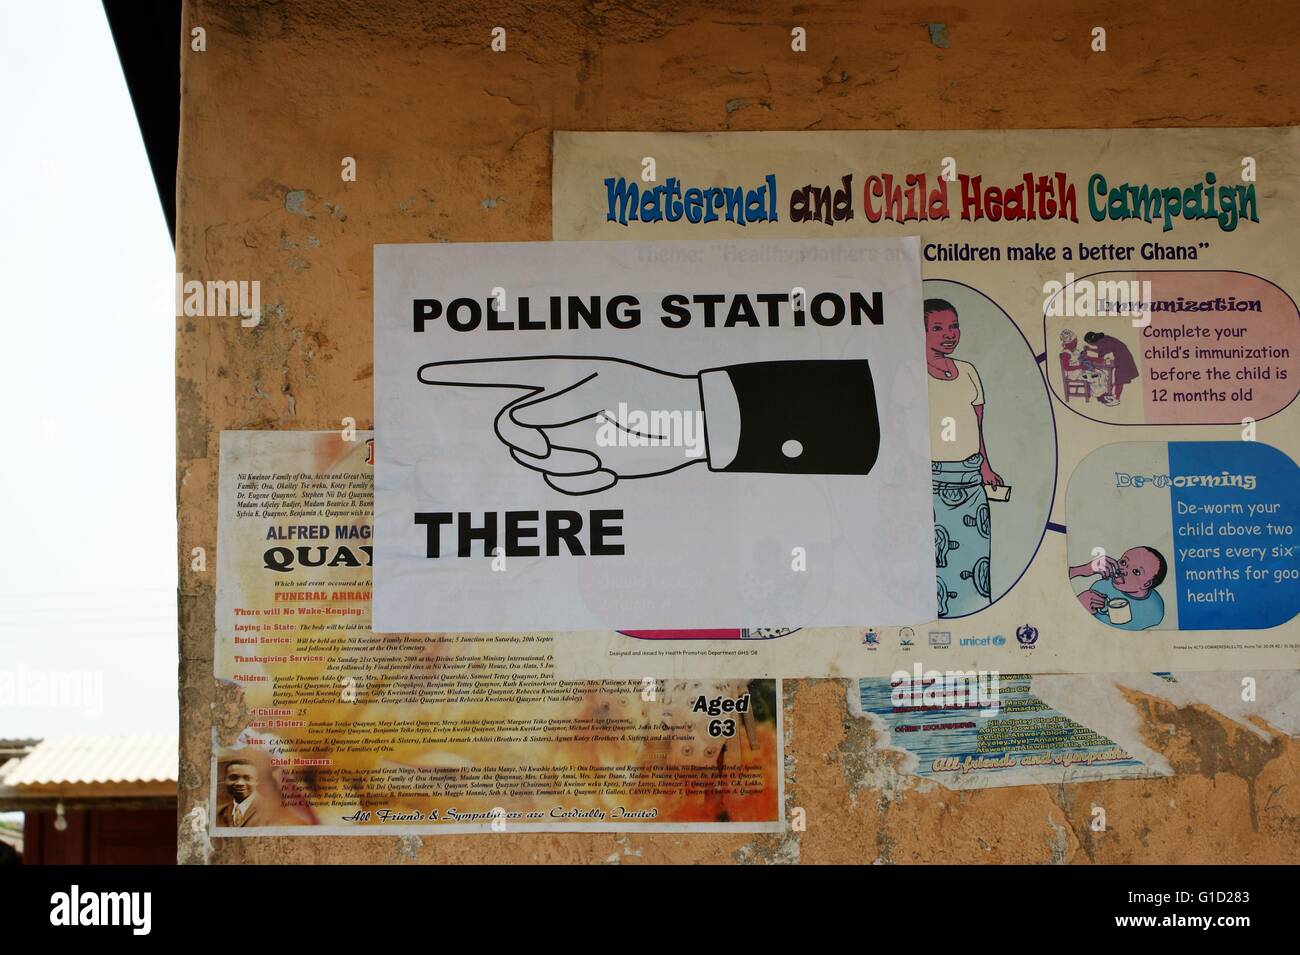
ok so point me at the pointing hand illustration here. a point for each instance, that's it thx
(586, 422)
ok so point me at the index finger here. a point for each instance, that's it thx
(534, 373)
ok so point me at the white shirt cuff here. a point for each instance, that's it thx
(721, 418)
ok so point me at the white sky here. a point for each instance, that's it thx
(87, 477)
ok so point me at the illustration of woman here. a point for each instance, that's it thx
(960, 468)
(1112, 354)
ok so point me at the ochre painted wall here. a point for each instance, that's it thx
(452, 144)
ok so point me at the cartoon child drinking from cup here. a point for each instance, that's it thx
(1125, 596)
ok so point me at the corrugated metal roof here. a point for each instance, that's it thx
(95, 759)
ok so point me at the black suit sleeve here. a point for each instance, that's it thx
(827, 407)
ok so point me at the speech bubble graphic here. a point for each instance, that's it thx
(1185, 535)
(1172, 347)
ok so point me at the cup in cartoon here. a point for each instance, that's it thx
(1118, 611)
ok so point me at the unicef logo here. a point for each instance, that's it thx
(999, 640)
(1027, 635)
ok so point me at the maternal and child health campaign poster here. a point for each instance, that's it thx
(1109, 334)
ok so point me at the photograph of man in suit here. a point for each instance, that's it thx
(244, 809)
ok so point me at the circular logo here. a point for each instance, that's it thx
(1027, 635)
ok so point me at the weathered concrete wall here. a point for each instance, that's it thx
(453, 144)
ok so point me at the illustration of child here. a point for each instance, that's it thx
(1071, 355)
(1125, 597)
(1077, 367)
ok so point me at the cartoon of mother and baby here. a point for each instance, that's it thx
(1099, 368)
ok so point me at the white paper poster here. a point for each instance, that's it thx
(650, 435)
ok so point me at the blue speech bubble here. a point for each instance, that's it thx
(1237, 553)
